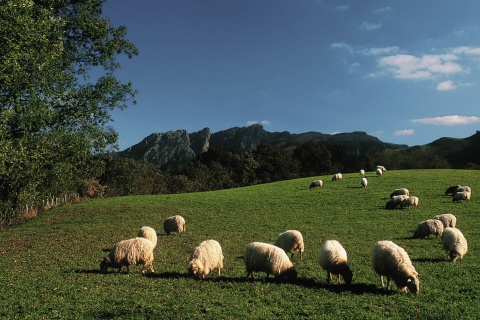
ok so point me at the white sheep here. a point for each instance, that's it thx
(400, 192)
(129, 252)
(428, 227)
(392, 261)
(148, 233)
(395, 201)
(409, 202)
(448, 220)
(463, 195)
(454, 243)
(206, 257)
(316, 183)
(337, 176)
(174, 224)
(291, 241)
(264, 257)
(333, 259)
(364, 182)
(462, 189)
(362, 173)
(379, 172)
(382, 168)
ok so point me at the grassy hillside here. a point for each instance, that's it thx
(50, 264)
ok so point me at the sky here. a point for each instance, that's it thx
(406, 72)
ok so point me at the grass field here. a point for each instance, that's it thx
(50, 265)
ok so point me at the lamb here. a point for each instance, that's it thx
(364, 182)
(395, 201)
(463, 195)
(362, 173)
(316, 183)
(382, 168)
(400, 192)
(454, 243)
(206, 257)
(428, 227)
(448, 220)
(291, 241)
(148, 233)
(379, 172)
(129, 252)
(392, 261)
(451, 189)
(333, 259)
(174, 224)
(264, 257)
(337, 176)
(409, 202)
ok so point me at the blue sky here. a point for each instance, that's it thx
(407, 71)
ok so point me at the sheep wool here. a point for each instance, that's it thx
(206, 257)
(316, 183)
(337, 176)
(400, 192)
(174, 224)
(291, 241)
(454, 243)
(448, 220)
(382, 168)
(362, 173)
(409, 202)
(333, 259)
(392, 261)
(395, 201)
(148, 233)
(364, 182)
(379, 172)
(129, 252)
(462, 195)
(265, 257)
(428, 227)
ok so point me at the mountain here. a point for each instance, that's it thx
(173, 150)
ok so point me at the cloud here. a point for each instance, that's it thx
(383, 10)
(263, 122)
(368, 26)
(404, 132)
(381, 51)
(335, 132)
(343, 46)
(405, 66)
(342, 7)
(467, 50)
(452, 120)
(446, 86)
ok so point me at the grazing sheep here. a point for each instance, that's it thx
(451, 189)
(392, 261)
(174, 224)
(364, 182)
(129, 252)
(264, 257)
(291, 241)
(409, 202)
(316, 183)
(462, 189)
(148, 233)
(400, 192)
(206, 257)
(333, 259)
(362, 173)
(454, 243)
(337, 176)
(448, 220)
(463, 195)
(379, 172)
(428, 227)
(382, 168)
(394, 202)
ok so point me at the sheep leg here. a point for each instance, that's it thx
(338, 279)
(329, 277)
(301, 255)
(381, 278)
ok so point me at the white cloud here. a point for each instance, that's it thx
(368, 26)
(343, 46)
(383, 10)
(446, 86)
(452, 120)
(404, 132)
(342, 7)
(335, 132)
(263, 122)
(467, 50)
(381, 51)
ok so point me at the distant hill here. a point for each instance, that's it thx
(173, 150)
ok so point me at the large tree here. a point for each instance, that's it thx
(57, 91)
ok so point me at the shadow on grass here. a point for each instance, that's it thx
(430, 260)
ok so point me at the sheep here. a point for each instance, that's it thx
(428, 227)
(463, 195)
(364, 182)
(395, 201)
(454, 243)
(462, 189)
(264, 257)
(316, 183)
(382, 168)
(129, 252)
(206, 257)
(400, 192)
(148, 233)
(337, 176)
(392, 261)
(379, 172)
(174, 224)
(409, 202)
(333, 259)
(291, 241)
(451, 189)
(362, 173)
(448, 220)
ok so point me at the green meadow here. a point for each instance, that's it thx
(50, 264)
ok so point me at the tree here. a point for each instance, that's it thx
(57, 89)
(314, 159)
